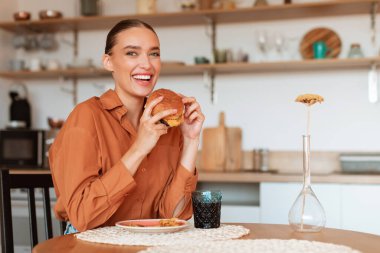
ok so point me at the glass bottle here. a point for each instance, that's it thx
(307, 213)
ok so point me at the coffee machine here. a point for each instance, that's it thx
(19, 110)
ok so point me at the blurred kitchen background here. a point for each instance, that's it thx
(346, 127)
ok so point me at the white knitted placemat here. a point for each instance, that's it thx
(253, 246)
(121, 236)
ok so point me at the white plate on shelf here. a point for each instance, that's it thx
(151, 226)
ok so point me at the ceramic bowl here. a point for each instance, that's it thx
(49, 14)
(21, 16)
(55, 123)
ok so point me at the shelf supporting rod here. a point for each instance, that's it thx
(211, 32)
(213, 38)
(75, 79)
(75, 91)
(374, 7)
(209, 81)
(212, 87)
(75, 42)
(210, 73)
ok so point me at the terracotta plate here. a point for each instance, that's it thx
(151, 226)
(332, 40)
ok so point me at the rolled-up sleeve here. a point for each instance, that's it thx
(89, 196)
(182, 185)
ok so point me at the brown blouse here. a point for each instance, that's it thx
(93, 186)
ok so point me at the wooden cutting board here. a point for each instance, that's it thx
(221, 147)
(233, 157)
(331, 38)
(214, 147)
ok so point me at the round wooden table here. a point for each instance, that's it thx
(367, 243)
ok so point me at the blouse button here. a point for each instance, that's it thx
(143, 170)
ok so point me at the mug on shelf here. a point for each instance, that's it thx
(53, 64)
(205, 4)
(320, 50)
(35, 64)
(47, 42)
(17, 65)
(355, 51)
(201, 60)
(220, 55)
(19, 41)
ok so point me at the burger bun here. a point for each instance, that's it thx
(171, 100)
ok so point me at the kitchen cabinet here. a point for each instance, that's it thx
(350, 201)
(347, 206)
(361, 208)
(240, 214)
(276, 200)
(208, 17)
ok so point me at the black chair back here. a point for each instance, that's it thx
(29, 182)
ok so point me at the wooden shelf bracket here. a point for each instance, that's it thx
(209, 81)
(374, 8)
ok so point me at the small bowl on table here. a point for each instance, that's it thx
(21, 16)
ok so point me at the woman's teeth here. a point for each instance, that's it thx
(142, 77)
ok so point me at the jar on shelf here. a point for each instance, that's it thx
(355, 51)
(90, 7)
(205, 4)
(264, 155)
(146, 6)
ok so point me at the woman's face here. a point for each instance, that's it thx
(135, 61)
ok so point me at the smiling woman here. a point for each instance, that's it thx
(113, 160)
(132, 54)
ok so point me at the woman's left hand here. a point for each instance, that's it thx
(193, 118)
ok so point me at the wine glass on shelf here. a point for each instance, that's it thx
(280, 45)
(293, 53)
(263, 44)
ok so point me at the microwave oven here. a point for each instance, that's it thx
(23, 148)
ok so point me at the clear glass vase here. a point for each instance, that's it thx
(307, 213)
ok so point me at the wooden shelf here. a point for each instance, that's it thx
(196, 17)
(259, 177)
(64, 73)
(325, 64)
(225, 68)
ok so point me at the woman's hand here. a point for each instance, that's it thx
(193, 118)
(150, 129)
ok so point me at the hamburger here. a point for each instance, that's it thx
(171, 100)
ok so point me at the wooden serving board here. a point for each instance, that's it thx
(214, 147)
(221, 147)
(331, 38)
(234, 140)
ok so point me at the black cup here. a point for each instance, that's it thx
(206, 208)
